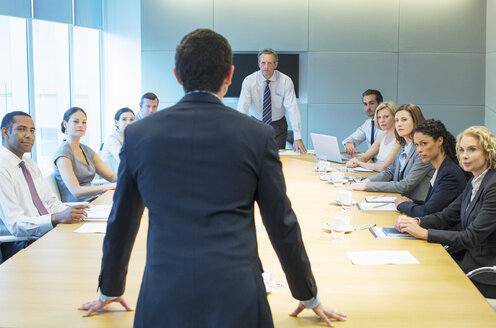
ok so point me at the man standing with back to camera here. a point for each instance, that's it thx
(199, 178)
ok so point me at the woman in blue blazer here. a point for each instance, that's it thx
(408, 175)
(436, 145)
(474, 211)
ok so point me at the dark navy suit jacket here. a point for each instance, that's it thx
(199, 167)
(450, 182)
(477, 220)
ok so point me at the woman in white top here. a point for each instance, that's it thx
(113, 144)
(385, 148)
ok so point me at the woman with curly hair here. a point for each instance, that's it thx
(474, 211)
(436, 145)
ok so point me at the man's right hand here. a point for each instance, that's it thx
(323, 312)
(349, 148)
(72, 214)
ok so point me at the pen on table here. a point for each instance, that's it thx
(380, 205)
(365, 226)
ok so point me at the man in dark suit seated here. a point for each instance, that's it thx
(200, 169)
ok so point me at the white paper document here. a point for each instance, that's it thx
(380, 199)
(288, 152)
(389, 207)
(98, 212)
(358, 169)
(93, 227)
(381, 257)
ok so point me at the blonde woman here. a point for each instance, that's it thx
(473, 212)
(385, 148)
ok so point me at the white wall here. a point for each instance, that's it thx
(121, 58)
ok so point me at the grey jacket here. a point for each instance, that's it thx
(413, 181)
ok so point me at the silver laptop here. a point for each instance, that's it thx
(329, 147)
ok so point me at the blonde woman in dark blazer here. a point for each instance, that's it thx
(474, 210)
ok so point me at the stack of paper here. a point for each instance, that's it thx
(381, 257)
(288, 152)
(98, 212)
(380, 199)
(95, 227)
(389, 207)
(358, 169)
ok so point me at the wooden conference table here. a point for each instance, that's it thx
(43, 285)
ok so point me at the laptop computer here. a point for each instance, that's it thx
(328, 146)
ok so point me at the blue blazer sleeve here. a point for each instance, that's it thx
(450, 182)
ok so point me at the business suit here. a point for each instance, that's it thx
(477, 235)
(198, 167)
(413, 181)
(449, 183)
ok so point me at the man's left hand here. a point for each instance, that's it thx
(299, 146)
(98, 305)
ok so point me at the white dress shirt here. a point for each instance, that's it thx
(476, 183)
(111, 150)
(363, 133)
(18, 214)
(283, 98)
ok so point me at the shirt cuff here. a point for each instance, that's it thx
(311, 303)
(105, 298)
(45, 224)
(297, 135)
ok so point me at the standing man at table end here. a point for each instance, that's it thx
(28, 208)
(270, 94)
(367, 131)
(202, 267)
(148, 105)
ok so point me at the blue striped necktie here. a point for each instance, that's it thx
(267, 105)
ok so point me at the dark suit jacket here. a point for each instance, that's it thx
(477, 221)
(413, 181)
(450, 182)
(198, 167)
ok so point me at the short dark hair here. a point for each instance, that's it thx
(67, 115)
(121, 111)
(370, 92)
(148, 95)
(8, 119)
(203, 59)
(436, 129)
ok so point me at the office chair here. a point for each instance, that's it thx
(8, 239)
(491, 301)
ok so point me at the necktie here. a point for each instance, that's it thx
(32, 190)
(372, 132)
(267, 105)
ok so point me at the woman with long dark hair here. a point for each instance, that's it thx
(436, 145)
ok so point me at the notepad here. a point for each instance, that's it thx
(389, 232)
(98, 212)
(381, 257)
(389, 207)
(380, 199)
(288, 152)
(94, 227)
(358, 169)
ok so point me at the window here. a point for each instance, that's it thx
(86, 81)
(13, 65)
(51, 87)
